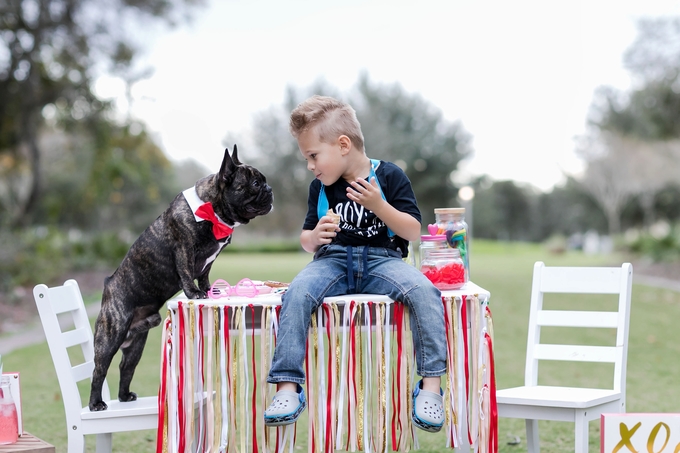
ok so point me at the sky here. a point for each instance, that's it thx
(519, 75)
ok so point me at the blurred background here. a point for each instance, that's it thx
(551, 122)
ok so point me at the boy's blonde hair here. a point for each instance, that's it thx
(329, 117)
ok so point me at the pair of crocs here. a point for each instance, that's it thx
(428, 409)
(427, 414)
(285, 408)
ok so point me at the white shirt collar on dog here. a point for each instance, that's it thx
(195, 202)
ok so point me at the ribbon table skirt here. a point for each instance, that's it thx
(360, 371)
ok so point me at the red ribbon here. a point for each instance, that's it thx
(220, 229)
(330, 392)
(254, 401)
(200, 363)
(162, 393)
(180, 394)
(493, 403)
(396, 415)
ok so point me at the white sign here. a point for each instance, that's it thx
(640, 433)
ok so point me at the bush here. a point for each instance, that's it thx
(661, 245)
(46, 253)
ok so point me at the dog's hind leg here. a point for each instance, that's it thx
(132, 353)
(141, 325)
(109, 333)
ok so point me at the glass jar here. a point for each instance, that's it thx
(441, 264)
(9, 422)
(451, 223)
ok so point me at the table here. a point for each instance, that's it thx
(359, 366)
(27, 443)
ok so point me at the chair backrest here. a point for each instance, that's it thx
(67, 300)
(580, 280)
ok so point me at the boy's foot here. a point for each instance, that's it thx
(285, 408)
(428, 409)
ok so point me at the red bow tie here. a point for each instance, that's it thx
(220, 229)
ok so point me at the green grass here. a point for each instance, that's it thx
(504, 269)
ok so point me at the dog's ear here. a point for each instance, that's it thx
(228, 165)
(234, 155)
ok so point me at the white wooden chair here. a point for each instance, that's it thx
(534, 402)
(131, 416)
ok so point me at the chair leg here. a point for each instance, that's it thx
(533, 446)
(76, 442)
(581, 434)
(104, 442)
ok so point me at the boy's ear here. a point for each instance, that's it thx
(345, 144)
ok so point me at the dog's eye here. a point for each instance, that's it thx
(255, 183)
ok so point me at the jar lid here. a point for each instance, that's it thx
(449, 211)
(436, 237)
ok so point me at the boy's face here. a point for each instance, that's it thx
(325, 160)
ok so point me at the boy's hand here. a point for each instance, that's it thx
(365, 193)
(325, 230)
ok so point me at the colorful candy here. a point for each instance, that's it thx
(448, 276)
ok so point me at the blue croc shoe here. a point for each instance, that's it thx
(285, 408)
(428, 409)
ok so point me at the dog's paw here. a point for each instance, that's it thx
(131, 396)
(98, 406)
(196, 294)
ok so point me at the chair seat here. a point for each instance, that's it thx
(552, 396)
(142, 406)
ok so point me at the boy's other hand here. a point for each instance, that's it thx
(365, 193)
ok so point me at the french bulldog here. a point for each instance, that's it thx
(176, 250)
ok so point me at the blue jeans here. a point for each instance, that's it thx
(375, 270)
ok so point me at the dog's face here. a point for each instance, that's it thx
(241, 192)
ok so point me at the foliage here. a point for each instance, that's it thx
(46, 253)
(650, 110)
(120, 180)
(660, 246)
(507, 210)
(634, 147)
(52, 51)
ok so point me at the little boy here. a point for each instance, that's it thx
(360, 254)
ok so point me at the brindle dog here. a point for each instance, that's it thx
(174, 251)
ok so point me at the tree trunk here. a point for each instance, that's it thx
(647, 199)
(613, 220)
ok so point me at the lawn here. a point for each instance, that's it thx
(502, 268)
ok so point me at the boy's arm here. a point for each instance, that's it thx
(368, 195)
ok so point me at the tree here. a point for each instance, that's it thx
(640, 128)
(608, 175)
(503, 210)
(50, 52)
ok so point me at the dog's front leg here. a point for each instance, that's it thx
(185, 261)
(204, 279)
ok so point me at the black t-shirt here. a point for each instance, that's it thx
(358, 225)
